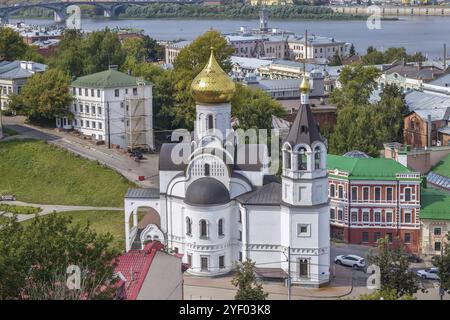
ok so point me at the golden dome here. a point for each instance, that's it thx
(304, 86)
(212, 84)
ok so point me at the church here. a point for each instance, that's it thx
(216, 207)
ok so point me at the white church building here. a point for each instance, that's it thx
(216, 208)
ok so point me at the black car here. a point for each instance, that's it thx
(414, 258)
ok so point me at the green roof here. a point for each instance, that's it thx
(106, 79)
(443, 167)
(435, 204)
(367, 168)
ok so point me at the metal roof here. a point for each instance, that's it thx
(106, 79)
(425, 103)
(11, 70)
(142, 193)
(269, 194)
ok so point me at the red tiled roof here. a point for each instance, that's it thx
(134, 266)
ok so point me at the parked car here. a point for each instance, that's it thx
(429, 273)
(8, 197)
(414, 258)
(350, 260)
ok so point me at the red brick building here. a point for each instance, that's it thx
(372, 198)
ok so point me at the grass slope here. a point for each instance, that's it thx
(40, 173)
(443, 167)
(100, 221)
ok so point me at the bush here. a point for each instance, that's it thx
(14, 209)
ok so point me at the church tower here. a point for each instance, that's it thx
(305, 210)
(212, 90)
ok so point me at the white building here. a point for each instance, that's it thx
(318, 47)
(113, 107)
(13, 76)
(173, 49)
(217, 203)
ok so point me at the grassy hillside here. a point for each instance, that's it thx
(40, 173)
(101, 222)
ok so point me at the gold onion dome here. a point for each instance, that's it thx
(212, 84)
(304, 86)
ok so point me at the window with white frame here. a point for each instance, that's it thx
(389, 193)
(377, 193)
(341, 192)
(377, 217)
(389, 217)
(354, 216)
(303, 230)
(407, 194)
(332, 214)
(366, 216)
(332, 190)
(408, 217)
(366, 193)
(203, 229)
(354, 193)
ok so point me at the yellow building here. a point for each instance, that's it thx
(270, 2)
(435, 220)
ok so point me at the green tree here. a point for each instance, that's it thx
(189, 62)
(45, 96)
(12, 46)
(373, 57)
(245, 280)
(352, 50)
(394, 268)
(385, 295)
(390, 111)
(254, 108)
(394, 54)
(34, 259)
(336, 60)
(69, 56)
(442, 262)
(354, 130)
(357, 84)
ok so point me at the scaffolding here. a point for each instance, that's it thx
(137, 130)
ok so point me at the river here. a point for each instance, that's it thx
(425, 34)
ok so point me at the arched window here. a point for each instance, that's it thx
(207, 170)
(210, 121)
(188, 226)
(220, 228)
(303, 265)
(287, 159)
(302, 159)
(317, 155)
(203, 229)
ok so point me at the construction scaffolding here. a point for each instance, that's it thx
(137, 119)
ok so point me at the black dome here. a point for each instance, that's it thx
(207, 191)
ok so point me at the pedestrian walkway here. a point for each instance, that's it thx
(49, 208)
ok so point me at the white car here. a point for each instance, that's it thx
(430, 273)
(350, 260)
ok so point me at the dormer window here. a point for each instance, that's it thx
(304, 129)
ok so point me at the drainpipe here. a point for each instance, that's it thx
(349, 199)
(429, 124)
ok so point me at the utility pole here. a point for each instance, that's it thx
(441, 290)
(289, 273)
(109, 126)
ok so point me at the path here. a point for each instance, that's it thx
(50, 208)
(111, 158)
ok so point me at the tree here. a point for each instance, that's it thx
(352, 50)
(395, 274)
(34, 259)
(357, 84)
(189, 62)
(390, 111)
(385, 295)
(12, 46)
(442, 262)
(336, 60)
(69, 57)
(245, 281)
(373, 57)
(45, 96)
(254, 108)
(354, 130)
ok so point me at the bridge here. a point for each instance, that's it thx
(110, 8)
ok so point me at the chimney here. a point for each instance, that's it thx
(445, 57)
(429, 130)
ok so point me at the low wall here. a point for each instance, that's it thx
(395, 11)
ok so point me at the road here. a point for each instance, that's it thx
(112, 158)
